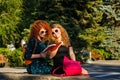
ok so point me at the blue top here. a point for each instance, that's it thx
(38, 65)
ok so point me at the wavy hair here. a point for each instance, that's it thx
(36, 27)
(64, 35)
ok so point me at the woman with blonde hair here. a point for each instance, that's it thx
(59, 34)
(40, 32)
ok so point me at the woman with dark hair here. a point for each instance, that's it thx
(40, 33)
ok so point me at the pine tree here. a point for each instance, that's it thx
(80, 18)
(111, 43)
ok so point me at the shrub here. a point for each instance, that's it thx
(4, 51)
(103, 53)
(15, 58)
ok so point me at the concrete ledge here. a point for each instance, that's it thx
(25, 76)
(107, 62)
(20, 73)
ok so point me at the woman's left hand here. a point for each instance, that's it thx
(43, 55)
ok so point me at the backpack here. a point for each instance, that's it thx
(27, 61)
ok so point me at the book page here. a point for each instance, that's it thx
(52, 47)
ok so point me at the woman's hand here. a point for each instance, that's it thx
(43, 55)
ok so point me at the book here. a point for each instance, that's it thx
(52, 47)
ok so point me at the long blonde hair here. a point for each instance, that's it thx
(64, 35)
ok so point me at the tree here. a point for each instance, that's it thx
(10, 12)
(111, 17)
(80, 17)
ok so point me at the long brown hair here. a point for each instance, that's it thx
(64, 35)
(36, 27)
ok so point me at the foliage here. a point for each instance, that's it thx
(25, 34)
(85, 20)
(79, 58)
(111, 10)
(15, 58)
(10, 11)
(4, 51)
(110, 19)
(75, 15)
(103, 53)
(111, 43)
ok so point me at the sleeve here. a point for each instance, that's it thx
(30, 48)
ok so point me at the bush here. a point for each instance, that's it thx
(103, 53)
(15, 58)
(4, 51)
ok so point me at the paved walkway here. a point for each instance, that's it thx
(104, 69)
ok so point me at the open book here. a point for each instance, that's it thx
(52, 47)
